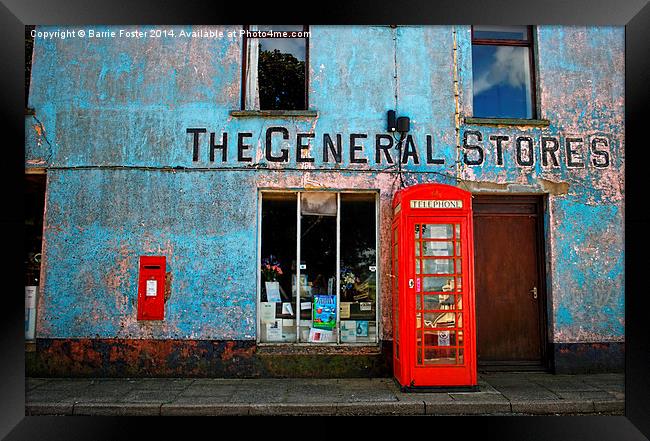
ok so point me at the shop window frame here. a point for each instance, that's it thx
(378, 307)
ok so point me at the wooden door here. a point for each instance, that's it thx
(510, 300)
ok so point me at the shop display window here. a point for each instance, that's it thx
(318, 268)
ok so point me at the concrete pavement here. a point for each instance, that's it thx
(501, 393)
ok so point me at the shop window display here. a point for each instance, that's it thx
(330, 295)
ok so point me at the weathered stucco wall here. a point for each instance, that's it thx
(110, 124)
(580, 73)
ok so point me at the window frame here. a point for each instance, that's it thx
(305, 28)
(530, 44)
(338, 343)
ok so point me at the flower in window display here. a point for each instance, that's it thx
(271, 269)
(352, 287)
(348, 280)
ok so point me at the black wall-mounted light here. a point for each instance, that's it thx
(394, 124)
(399, 125)
(403, 124)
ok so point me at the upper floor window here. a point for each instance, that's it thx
(503, 72)
(275, 67)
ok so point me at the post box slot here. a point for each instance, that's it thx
(152, 267)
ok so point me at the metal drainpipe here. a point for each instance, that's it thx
(457, 106)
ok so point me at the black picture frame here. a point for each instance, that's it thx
(634, 14)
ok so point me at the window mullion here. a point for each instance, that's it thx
(298, 285)
(338, 268)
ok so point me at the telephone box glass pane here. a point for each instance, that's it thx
(459, 268)
(437, 248)
(437, 266)
(440, 356)
(438, 302)
(439, 320)
(432, 283)
(440, 338)
(437, 231)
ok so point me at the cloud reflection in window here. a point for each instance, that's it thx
(501, 81)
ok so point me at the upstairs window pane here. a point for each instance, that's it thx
(502, 77)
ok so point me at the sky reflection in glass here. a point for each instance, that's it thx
(502, 86)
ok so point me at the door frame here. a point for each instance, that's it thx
(516, 205)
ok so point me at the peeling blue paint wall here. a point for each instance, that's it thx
(110, 125)
(580, 73)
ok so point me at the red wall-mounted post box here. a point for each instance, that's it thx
(434, 338)
(151, 288)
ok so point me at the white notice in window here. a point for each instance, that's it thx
(345, 310)
(365, 306)
(30, 296)
(443, 338)
(348, 331)
(274, 330)
(152, 288)
(267, 312)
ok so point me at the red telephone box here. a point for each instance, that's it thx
(151, 288)
(434, 334)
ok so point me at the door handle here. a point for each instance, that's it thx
(534, 292)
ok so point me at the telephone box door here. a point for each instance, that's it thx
(440, 308)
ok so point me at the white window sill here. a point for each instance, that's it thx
(507, 122)
(274, 113)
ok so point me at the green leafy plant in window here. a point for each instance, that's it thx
(281, 81)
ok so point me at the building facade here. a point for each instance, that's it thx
(184, 142)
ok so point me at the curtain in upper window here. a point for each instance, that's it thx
(252, 100)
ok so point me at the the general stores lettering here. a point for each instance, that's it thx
(278, 145)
